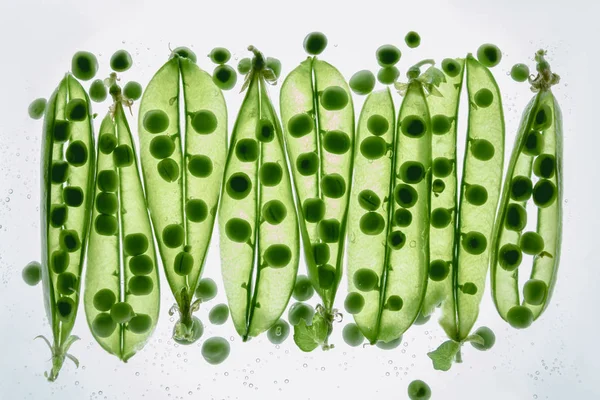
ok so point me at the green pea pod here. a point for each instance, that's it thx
(121, 285)
(67, 167)
(259, 230)
(318, 121)
(444, 117)
(537, 149)
(183, 168)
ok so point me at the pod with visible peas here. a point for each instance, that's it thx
(257, 220)
(538, 164)
(121, 295)
(318, 121)
(183, 145)
(67, 165)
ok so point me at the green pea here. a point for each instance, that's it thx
(274, 212)
(270, 174)
(352, 335)
(246, 150)
(76, 110)
(162, 147)
(373, 148)
(510, 257)
(73, 196)
(141, 265)
(488, 336)
(535, 291)
(516, 217)
(59, 172)
(482, 149)
(405, 195)
(224, 77)
(326, 276)
(313, 210)
(300, 311)
(484, 98)
(140, 285)
(476, 195)
(76, 154)
(468, 288)
(61, 130)
(238, 186)
(315, 43)
(156, 121)
(219, 314)
(544, 193)
(441, 218)
(66, 283)
(69, 240)
(84, 65)
(278, 255)
(544, 166)
(275, 65)
(329, 230)
(32, 273)
(194, 331)
(534, 143)
(219, 55)
(402, 217)
(519, 72)
(104, 299)
(121, 61)
(438, 270)
(196, 210)
(440, 124)
(543, 118)
(321, 253)
(388, 75)
(103, 325)
(336, 142)
(204, 122)
(392, 344)
(132, 90)
(300, 125)
(184, 52)
(396, 240)
(372, 223)
(173, 236)
(307, 163)
(135, 244)
(244, 66)
(278, 332)
(474, 243)
(333, 185)
(520, 188)
(107, 143)
(489, 55)
(206, 289)
(413, 126)
(303, 289)
(334, 98)
(140, 323)
(519, 317)
(123, 156)
(451, 67)
(354, 303)
(58, 215)
(265, 131)
(200, 166)
(238, 230)
(394, 303)
(59, 261)
(531, 243)
(65, 307)
(412, 39)
(121, 312)
(387, 55)
(37, 108)
(378, 125)
(362, 82)
(369, 200)
(419, 390)
(442, 167)
(108, 181)
(365, 279)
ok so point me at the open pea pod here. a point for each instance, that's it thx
(183, 146)
(121, 285)
(318, 121)
(258, 224)
(67, 168)
(537, 149)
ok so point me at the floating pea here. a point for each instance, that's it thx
(36, 108)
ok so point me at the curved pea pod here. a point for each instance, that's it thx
(258, 224)
(67, 169)
(444, 120)
(318, 120)
(121, 285)
(537, 149)
(183, 145)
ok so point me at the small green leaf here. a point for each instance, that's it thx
(475, 339)
(443, 356)
(319, 325)
(304, 336)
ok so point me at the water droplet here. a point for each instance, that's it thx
(287, 381)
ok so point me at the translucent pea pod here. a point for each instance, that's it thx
(318, 122)
(183, 145)
(67, 192)
(259, 238)
(444, 118)
(542, 115)
(121, 316)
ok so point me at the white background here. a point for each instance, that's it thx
(554, 359)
